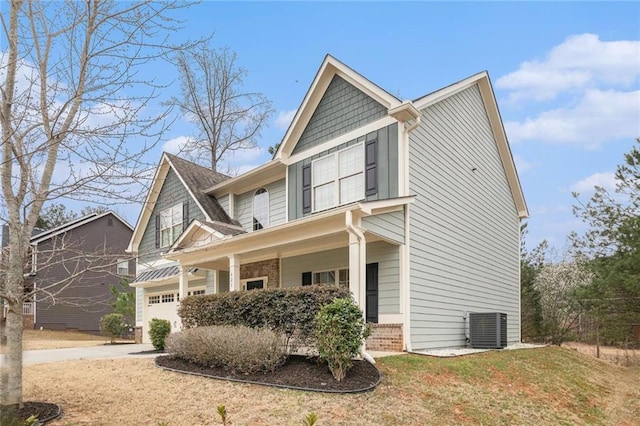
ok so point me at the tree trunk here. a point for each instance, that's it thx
(11, 375)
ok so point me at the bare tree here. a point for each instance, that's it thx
(227, 118)
(72, 93)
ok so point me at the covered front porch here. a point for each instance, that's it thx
(361, 247)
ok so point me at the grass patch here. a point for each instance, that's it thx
(534, 386)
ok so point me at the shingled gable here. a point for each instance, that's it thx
(195, 179)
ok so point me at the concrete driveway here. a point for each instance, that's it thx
(44, 356)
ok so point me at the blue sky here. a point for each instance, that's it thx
(566, 76)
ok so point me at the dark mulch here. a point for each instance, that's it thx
(299, 372)
(45, 411)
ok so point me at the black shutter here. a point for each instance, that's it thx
(371, 169)
(306, 189)
(185, 215)
(157, 231)
(306, 278)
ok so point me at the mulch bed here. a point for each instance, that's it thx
(45, 411)
(299, 372)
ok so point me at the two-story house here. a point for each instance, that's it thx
(414, 205)
(71, 270)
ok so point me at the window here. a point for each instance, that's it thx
(195, 293)
(153, 300)
(338, 178)
(254, 283)
(329, 277)
(260, 209)
(123, 267)
(168, 298)
(170, 225)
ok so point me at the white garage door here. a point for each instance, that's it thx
(163, 306)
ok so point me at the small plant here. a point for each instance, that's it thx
(222, 412)
(159, 329)
(340, 332)
(113, 325)
(32, 421)
(310, 419)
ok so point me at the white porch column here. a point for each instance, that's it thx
(234, 273)
(357, 261)
(183, 281)
(354, 268)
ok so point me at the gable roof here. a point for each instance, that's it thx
(195, 179)
(483, 82)
(330, 67)
(73, 224)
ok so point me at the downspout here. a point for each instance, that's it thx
(351, 229)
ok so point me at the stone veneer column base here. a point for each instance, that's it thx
(138, 334)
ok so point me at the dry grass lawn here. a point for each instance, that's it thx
(56, 339)
(535, 386)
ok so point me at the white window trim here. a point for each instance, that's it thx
(253, 209)
(336, 272)
(337, 177)
(243, 282)
(172, 237)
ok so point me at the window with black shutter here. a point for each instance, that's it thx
(185, 215)
(157, 231)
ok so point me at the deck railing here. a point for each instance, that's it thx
(27, 308)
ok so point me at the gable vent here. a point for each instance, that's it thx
(488, 330)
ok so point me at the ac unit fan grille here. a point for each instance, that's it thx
(488, 330)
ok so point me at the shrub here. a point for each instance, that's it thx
(286, 311)
(340, 332)
(241, 349)
(159, 329)
(113, 325)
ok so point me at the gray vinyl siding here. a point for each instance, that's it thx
(223, 285)
(387, 225)
(277, 202)
(342, 109)
(387, 164)
(464, 253)
(173, 192)
(223, 200)
(80, 301)
(386, 255)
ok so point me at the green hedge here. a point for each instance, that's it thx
(285, 310)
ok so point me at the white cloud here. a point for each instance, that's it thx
(606, 180)
(175, 145)
(284, 118)
(598, 117)
(580, 61)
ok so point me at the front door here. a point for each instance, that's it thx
(372, 293)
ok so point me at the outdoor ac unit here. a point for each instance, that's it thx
(488, 330)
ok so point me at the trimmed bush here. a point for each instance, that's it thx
(113, 325)
(286, 311)
(159, 329)
(240, 349)
(340, 332)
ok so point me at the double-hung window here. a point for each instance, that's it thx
(338, 178)
(170, 225)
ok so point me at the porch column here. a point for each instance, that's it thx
(357, 260)
(234, 273)
(183, 282)
(354, 268)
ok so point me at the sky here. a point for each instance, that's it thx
(566, 77)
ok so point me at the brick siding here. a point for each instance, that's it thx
(385, 337)
(266, 268)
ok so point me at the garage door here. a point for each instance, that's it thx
(163, 306)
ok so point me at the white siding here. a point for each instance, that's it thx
(224, 203)
(139, 306)
(386, 255)
(464, 226)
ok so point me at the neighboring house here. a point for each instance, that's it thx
(72, 269)
(414, 205)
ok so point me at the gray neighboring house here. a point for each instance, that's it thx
(72, 269)
(413, 205)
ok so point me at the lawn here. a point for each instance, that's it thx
(56, 339)
(534, 386)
